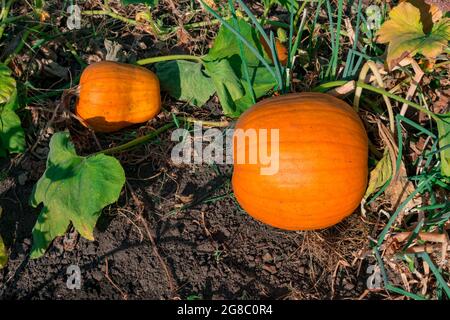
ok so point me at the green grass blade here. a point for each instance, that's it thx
(443, 284)
(408, 294)
(276, 61)
(337, 39)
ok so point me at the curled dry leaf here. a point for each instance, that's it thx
(112, 50)
(183, 36)
(441, 238)
(400, 187)
(344, 90)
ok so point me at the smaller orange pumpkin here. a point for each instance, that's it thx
(116, 95)
(281, 49)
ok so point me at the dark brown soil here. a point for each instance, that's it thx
(213, 249)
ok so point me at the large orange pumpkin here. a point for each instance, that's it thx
(322, 169)
(116, 95)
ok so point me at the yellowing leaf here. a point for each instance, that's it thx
(379, 175)
(3, 254)
(406, 37)
(443, 126)
(429, 13)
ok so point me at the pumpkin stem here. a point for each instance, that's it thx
(66, 96)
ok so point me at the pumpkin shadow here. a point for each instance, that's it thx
(102, 125)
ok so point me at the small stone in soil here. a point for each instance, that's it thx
(267, 257)
(349, 286)
(269, 268)
(206, 247)
(22, 178)
(97, 275)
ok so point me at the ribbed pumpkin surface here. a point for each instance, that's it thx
(323, 150)
(116, 95)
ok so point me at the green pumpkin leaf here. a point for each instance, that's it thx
(227, 83)
(185, 81)
(232, 87)
(262, 82)
(12, 136)
(226, 44)
(7, 84)
(13, 103)
(443, 126)
(404, 32)
(73, 189)
(150, 3)
(379, 175)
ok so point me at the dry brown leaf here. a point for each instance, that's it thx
(184, 37)
(441, 238)
(400, 187)
(185, 198)
(425, 236)
(344, 90)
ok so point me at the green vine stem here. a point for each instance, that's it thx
(152, 135)
(213, 22)
(363, 85)
(138, 141)
(157, 31)
(109, 13)
(169, 58)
